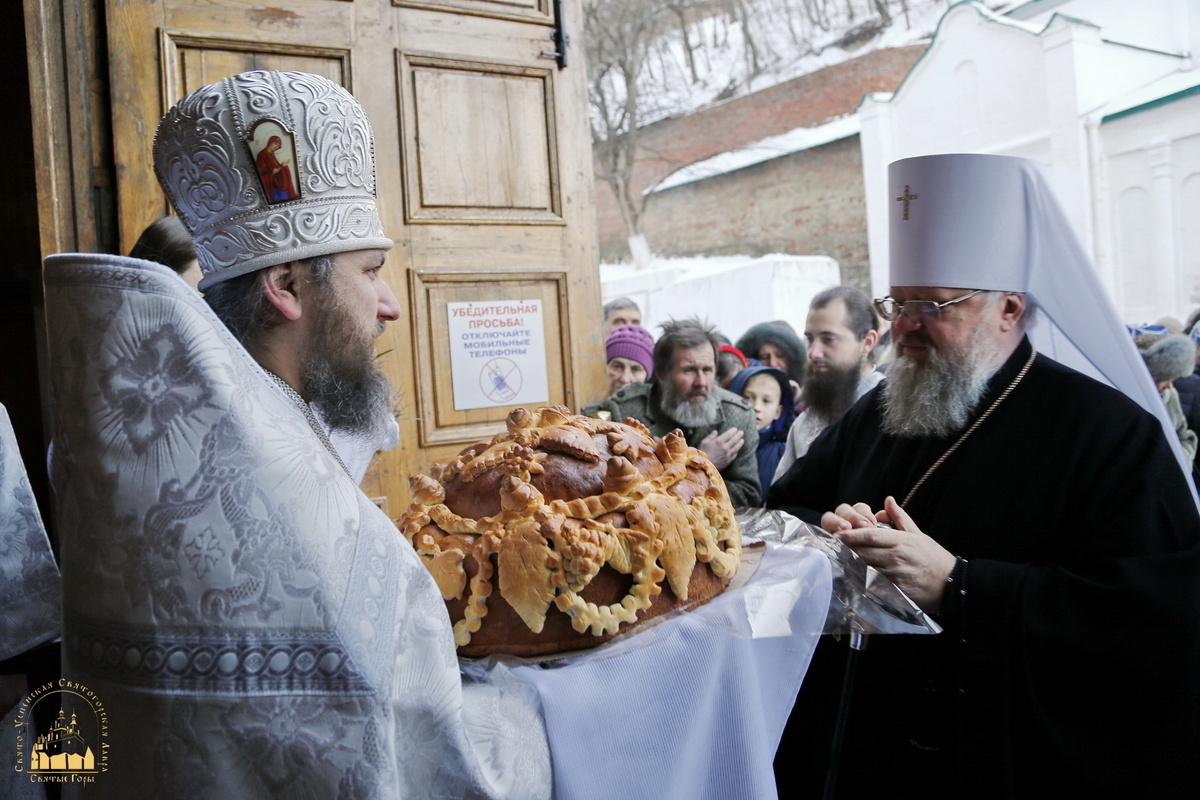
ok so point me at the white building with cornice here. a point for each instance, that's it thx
(1106, 93)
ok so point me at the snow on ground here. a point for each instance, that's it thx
(732, 292)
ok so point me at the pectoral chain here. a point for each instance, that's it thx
(312, 419)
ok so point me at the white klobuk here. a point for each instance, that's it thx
(974, 221)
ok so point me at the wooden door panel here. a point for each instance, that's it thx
(537, 11)
(479, 142)
(191, 60)
(458, 246)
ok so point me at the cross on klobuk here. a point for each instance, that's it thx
(904, 198)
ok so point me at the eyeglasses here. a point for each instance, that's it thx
(916, 310)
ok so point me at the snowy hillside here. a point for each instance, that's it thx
(747, 45)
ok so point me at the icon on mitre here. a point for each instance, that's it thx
(274, 150)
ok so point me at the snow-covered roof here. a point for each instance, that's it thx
(794, 141)
(1032, 8)
(1149, 25)
(1003, 19)
(1150, 94)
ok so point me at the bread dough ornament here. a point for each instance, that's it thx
(564, 531)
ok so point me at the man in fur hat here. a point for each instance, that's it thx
(776, 345)
(1170, 358)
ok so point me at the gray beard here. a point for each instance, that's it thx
(938, 398)
(685, 413)
(342, 380)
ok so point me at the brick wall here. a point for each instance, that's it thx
(806, 203)
(807, 101)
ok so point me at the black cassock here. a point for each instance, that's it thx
(1071, 667)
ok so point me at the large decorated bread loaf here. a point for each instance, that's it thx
(564, 530)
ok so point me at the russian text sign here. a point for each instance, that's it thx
(497, 353)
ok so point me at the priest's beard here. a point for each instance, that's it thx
(686, 413)
(340, 376)
(938, 397)
(830, 392)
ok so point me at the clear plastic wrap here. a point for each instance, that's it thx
(863, 600)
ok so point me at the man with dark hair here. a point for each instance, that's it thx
(621, 311)
(683, 394)
(166, 241)
(842, 331)
(334, 366)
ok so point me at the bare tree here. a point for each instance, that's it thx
(635, 48)
(621, 38)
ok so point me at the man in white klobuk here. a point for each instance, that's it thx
(841, 330)
(253, 624)
(1041, 515)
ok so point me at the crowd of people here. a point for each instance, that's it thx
(1173, 360)
(762, 400)
(839, 360)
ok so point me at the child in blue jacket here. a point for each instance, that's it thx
(769, 393)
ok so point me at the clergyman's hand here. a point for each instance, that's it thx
(846, 516)
(909, 558)
(722, 448)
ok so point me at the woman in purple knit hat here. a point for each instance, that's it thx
(628, 352)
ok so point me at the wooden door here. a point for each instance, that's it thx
(484, 175)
